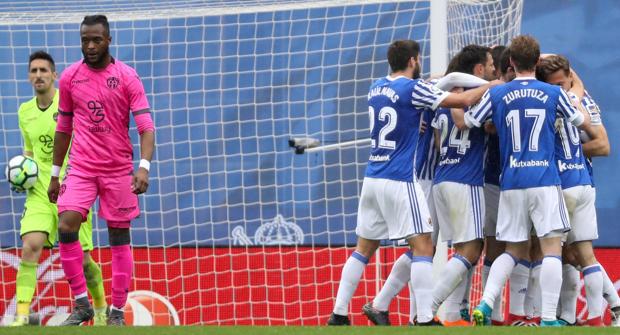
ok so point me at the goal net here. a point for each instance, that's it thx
(235, 228)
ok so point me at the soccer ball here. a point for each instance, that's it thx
(22, 172)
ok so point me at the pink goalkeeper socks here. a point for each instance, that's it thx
(122, 267)
(71, 258)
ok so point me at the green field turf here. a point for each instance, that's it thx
(242, 330)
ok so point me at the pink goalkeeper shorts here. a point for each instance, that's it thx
(117, 203)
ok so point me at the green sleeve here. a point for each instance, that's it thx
(27, 143)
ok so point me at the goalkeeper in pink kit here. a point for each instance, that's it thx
(97, 96)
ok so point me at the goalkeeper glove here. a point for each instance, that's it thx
(17, 189)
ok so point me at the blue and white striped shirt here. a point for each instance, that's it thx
(427, 155)
(524, 112)
(395, 107)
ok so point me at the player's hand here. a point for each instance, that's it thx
(53, 189)
(17, 189)
(489, 128)
(140, 182)
(496, 82)
(543, 56)
(423, 127)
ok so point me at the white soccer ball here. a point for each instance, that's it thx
(22, 172)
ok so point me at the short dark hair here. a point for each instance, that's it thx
(400, 52)
(40, 54)
(524, 52)
(504, 61)
(91, 20)
(471, 55)
(496, 53)
(550, 65)
(453, 66)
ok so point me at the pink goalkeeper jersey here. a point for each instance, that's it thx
(100, 101)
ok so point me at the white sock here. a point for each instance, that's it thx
(593, 280)
(528, 303)
(81, 295)
(452, 304)
(396, 281)
(500, 270)
(451, 287)
(533, 297)
(114, 308)
(351, 275)
(497, 314)
(422, 282)
(609, 290)
(519, 279)
(570, 292)
(486, 268)
(413, 310)
(551, 271)
(467, 291)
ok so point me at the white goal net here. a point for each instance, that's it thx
(235, 228)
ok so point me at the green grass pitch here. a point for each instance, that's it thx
(246, 330)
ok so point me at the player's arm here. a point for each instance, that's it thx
(147, 145)
(423, 127)
(436, 133)
(469, 97)
(62, 137)
(27, 144)
(425, 95)
(579, 117)
(458, 114)
(62, 140)
(489, 128)
(28, 151)
(61, 145)
(458, 117)
(458, 79)
(142, 116)
(598, 145)
(475, 116)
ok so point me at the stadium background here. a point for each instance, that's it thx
(224, 171)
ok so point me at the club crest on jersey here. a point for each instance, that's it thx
(112, 82)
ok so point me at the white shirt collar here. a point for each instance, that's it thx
(390, 78)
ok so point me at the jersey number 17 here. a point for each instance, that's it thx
(513, 120)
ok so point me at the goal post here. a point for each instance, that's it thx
(439, 37)
(235, 228)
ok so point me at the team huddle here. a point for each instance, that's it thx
(90, 113)
(496, 157)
